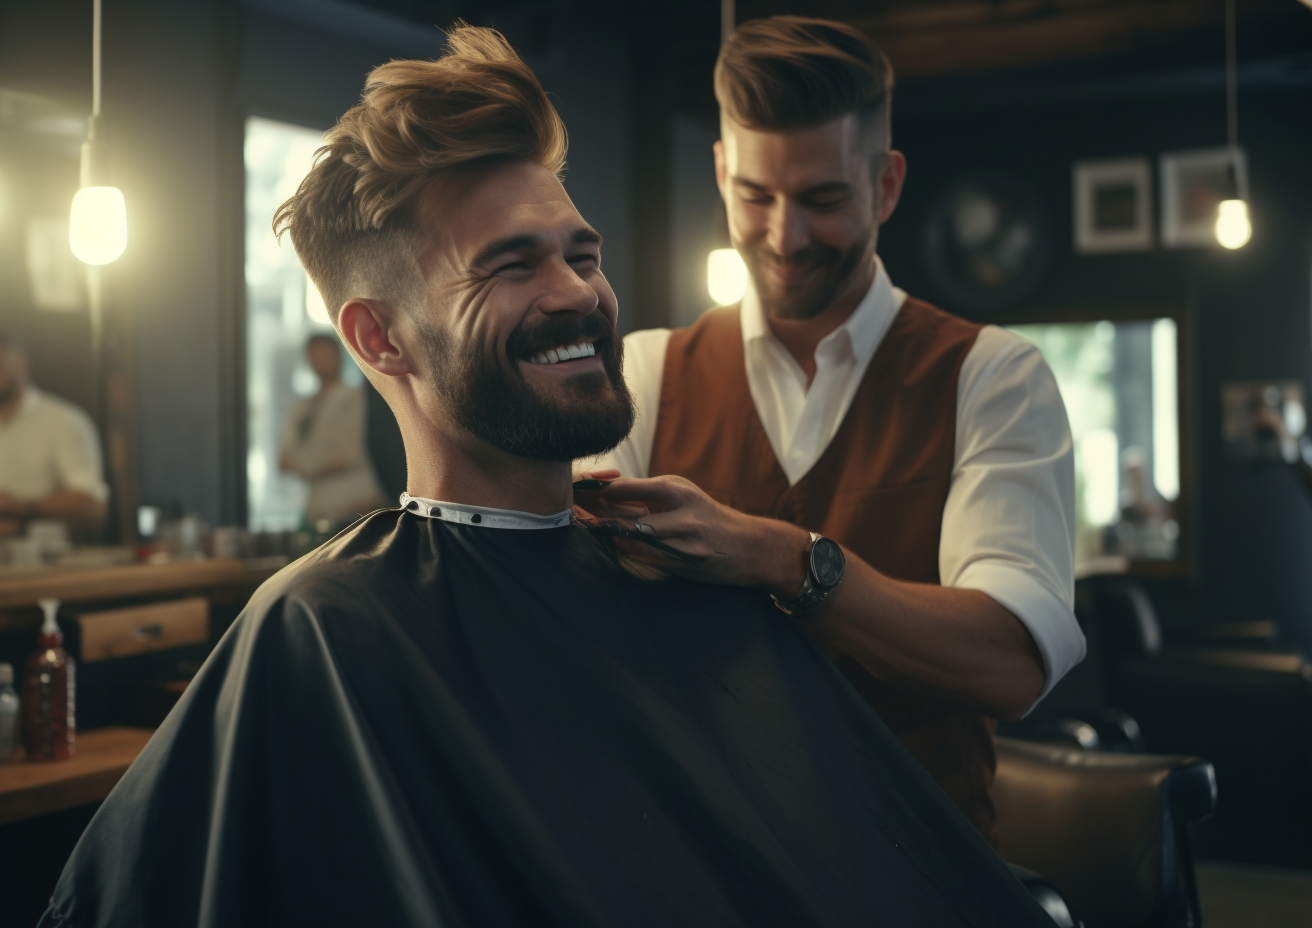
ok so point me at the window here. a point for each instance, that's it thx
(282, 310)
(1119, 380)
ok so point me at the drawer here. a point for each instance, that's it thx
(143, 629)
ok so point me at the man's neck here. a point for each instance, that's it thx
(801, 336)
(457, 468)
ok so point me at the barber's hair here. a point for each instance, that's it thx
(793, 72)
(353, 219)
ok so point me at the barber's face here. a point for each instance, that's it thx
(519, 324)
(805, 206)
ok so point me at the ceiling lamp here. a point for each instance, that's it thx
(1233, 228)
(98, 223)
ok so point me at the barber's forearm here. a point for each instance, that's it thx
(940, 641)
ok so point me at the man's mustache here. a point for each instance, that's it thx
(560, 330)
(811, 254)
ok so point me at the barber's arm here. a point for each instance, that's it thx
(958, 644)
(1000, 630)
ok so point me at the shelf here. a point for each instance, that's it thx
(103, 756)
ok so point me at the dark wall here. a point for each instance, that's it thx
(1251, 310)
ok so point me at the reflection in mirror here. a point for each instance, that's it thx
(1119, 381)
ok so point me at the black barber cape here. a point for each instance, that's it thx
(426, 724)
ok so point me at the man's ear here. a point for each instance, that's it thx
(721, 169)
(892, 176)
(370, 330)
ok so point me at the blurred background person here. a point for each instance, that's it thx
(323, 443)
(50, 462)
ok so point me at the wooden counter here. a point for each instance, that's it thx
(103, 756)
(20, 589)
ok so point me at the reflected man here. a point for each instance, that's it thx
(50, 464)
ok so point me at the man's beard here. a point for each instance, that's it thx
(589, 414)
(806, 300)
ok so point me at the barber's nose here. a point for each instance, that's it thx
(565, 291)
(786, 231)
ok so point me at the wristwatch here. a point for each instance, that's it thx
(825, 566)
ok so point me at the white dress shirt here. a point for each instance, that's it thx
(47, 447)
(1009, 522)
(327, 433)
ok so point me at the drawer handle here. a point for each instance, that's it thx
(147, 632)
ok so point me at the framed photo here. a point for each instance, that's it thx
(1193, 183)
(1113, 205)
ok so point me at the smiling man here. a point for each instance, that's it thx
(830, 409)
(462, 711)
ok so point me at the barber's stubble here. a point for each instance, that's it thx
(810, 298)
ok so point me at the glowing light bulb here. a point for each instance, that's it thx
(98, 225)
(1233, 230)
(726, 276)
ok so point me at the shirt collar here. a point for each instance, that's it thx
(862, 331)
(482, 516)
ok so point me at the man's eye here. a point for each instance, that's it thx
(585, 261)
(513, 266)
(826, 202)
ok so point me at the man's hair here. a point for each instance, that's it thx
(792, 72)
(353, 219)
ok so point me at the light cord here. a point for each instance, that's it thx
(1231, 78)
(95, 58)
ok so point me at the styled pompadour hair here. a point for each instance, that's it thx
(793, 72)
(353, 220)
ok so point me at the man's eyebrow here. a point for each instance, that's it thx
(531, 243)
(836, 186)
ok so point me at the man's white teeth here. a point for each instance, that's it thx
(565, 353)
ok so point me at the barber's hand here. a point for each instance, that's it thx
(731, 547)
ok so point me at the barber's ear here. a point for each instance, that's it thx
(370, 329)
(721, 168)
(892, 176)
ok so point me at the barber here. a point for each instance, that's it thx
(898, 479)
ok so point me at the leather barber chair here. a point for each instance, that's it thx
(1245, 705)
(1111, 831)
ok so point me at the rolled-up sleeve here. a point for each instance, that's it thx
(1009, 522)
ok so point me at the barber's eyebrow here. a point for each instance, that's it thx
(513, 243)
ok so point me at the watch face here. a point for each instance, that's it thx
(827, 563)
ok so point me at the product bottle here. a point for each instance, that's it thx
(8, 714)
(48, 726)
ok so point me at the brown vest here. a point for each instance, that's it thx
(879, 489)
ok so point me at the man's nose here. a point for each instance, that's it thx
(565, 291)
(786, 231)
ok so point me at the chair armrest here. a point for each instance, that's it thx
(1109, 830)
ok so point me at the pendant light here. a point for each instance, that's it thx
(98, 223)
(1233, 228)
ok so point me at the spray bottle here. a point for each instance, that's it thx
(48, 690)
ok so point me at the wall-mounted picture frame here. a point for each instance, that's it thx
(1113, 205)
(1193, 184)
